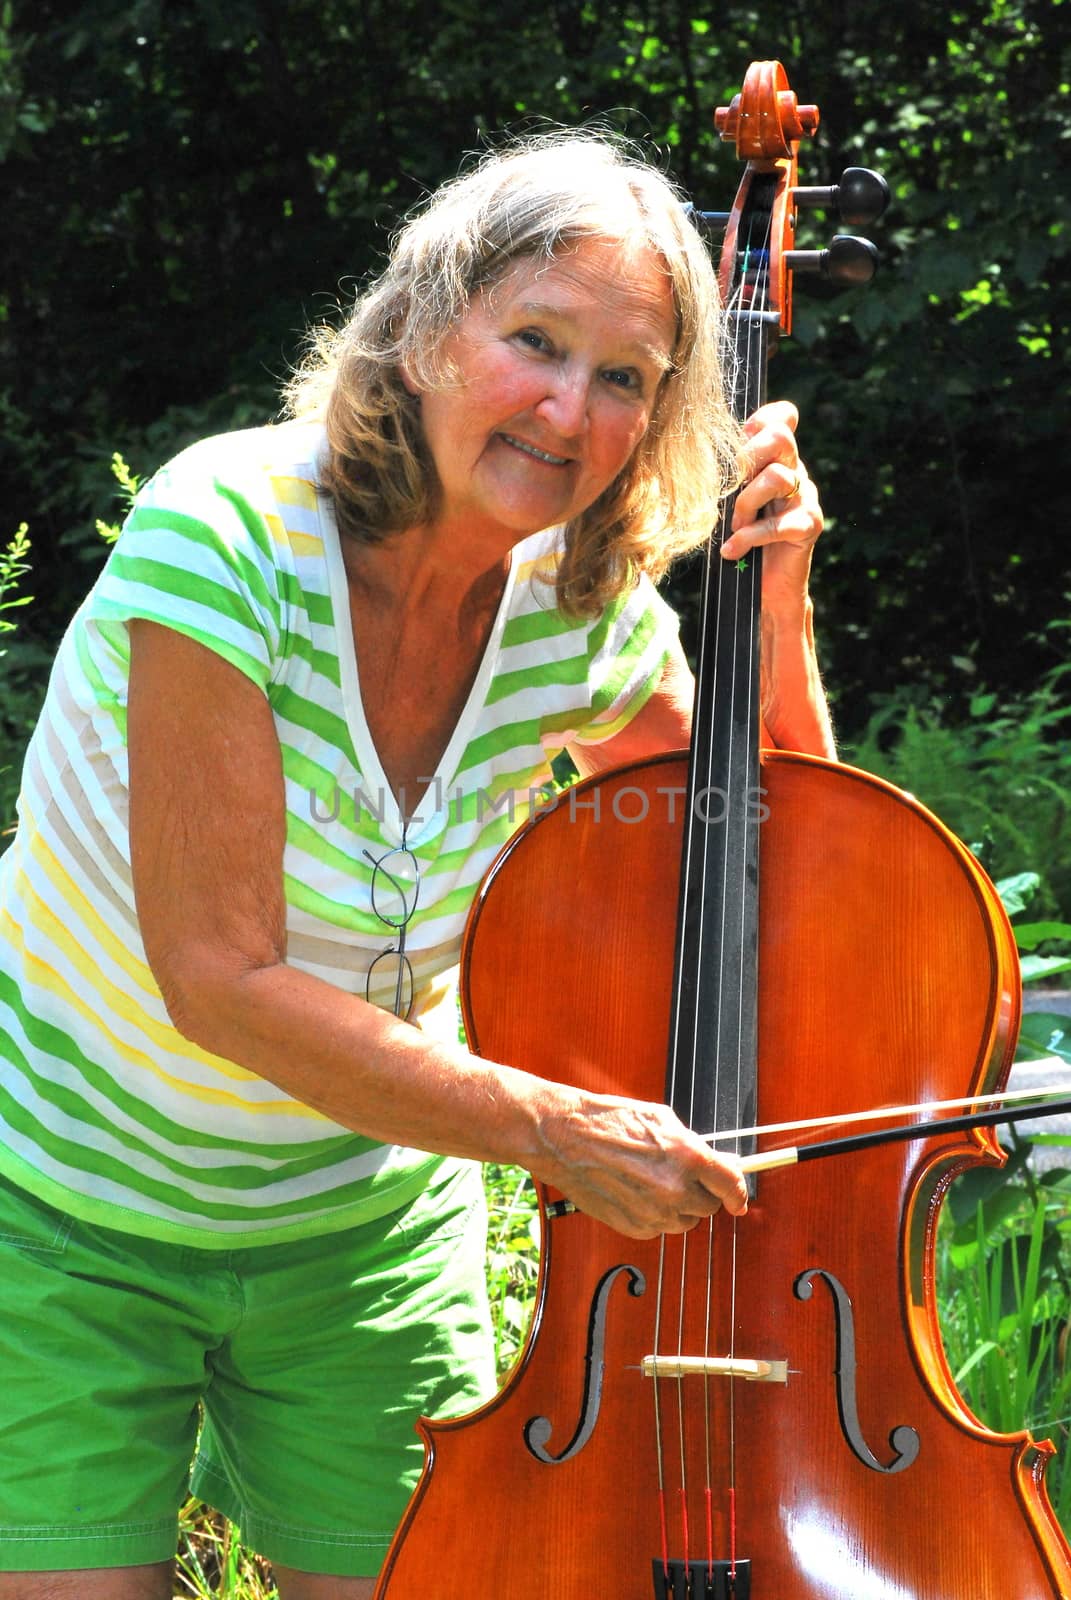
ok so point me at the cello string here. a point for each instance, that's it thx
(681, 1430)
(685, 1043)
(715, 575)
(732, 1412)
(707, 1442)
(740, 889)
(724, 575)
(696, 855)
(744, 590)
(759, 253)
(655, 1390)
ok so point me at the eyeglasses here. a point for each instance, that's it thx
(395, 889)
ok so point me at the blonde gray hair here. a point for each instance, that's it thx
(535, 199)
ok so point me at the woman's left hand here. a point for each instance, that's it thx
(778, 508)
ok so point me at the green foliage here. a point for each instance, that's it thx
(512, 1259)
(999, 776)
(24, 675)
(213, 1564)
(1004, 1263)
(1018, 893)
(14, 566)
(21, 675)
(128, 483)
(1004, 1247)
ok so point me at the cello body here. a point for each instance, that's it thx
(761, 1408)
(887, 973)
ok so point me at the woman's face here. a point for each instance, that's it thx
(560, 365)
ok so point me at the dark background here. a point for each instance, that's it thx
(186, 185)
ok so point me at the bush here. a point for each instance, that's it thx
(23, 672)
(1000, 778)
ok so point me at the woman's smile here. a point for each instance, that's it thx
(530, 450)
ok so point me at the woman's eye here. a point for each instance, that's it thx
(624, 378)
(533, 339)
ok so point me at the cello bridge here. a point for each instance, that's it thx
(714, 1367)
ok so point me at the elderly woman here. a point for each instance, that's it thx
(237, 1129)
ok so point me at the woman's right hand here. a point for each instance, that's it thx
(631, 1164)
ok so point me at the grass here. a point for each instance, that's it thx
(212, 1561)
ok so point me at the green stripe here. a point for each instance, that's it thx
(104, 695)
(519, 736)
(195, 532)
(80, 1156)
(624, 666)
(49, 1040)
(164, 578)
(552, 674)
(253, 667)
(533, 626)
(299, 647)
(305, 713)
(250, 518)
(318, 607)
(378, 1196)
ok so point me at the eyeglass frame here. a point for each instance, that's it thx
(405, 966)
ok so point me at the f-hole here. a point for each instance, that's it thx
(537, 1430)
(903, 1439)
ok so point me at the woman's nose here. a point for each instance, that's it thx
(565, 404)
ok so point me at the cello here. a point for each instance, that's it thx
(761, 1408)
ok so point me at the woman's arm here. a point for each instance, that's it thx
(778, 509)
(207, 827)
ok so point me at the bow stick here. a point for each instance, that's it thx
(767, 1160)
(836, 1120)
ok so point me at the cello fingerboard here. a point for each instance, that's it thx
(713, 1042)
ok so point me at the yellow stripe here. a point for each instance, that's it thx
(74, 896)
(291, 491)
(548, 564)
(52, 982)
(302, 544)
(122, 1005)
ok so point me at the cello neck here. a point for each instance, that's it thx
(711, 1079)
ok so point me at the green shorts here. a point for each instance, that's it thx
(311, 1361)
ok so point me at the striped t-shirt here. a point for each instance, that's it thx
(105, 1109)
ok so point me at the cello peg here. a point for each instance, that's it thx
(859, 199)
(849, 260)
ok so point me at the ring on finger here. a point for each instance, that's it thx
(794, 487)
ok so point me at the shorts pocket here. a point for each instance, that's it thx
(451, 1210)
(29, 1224)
